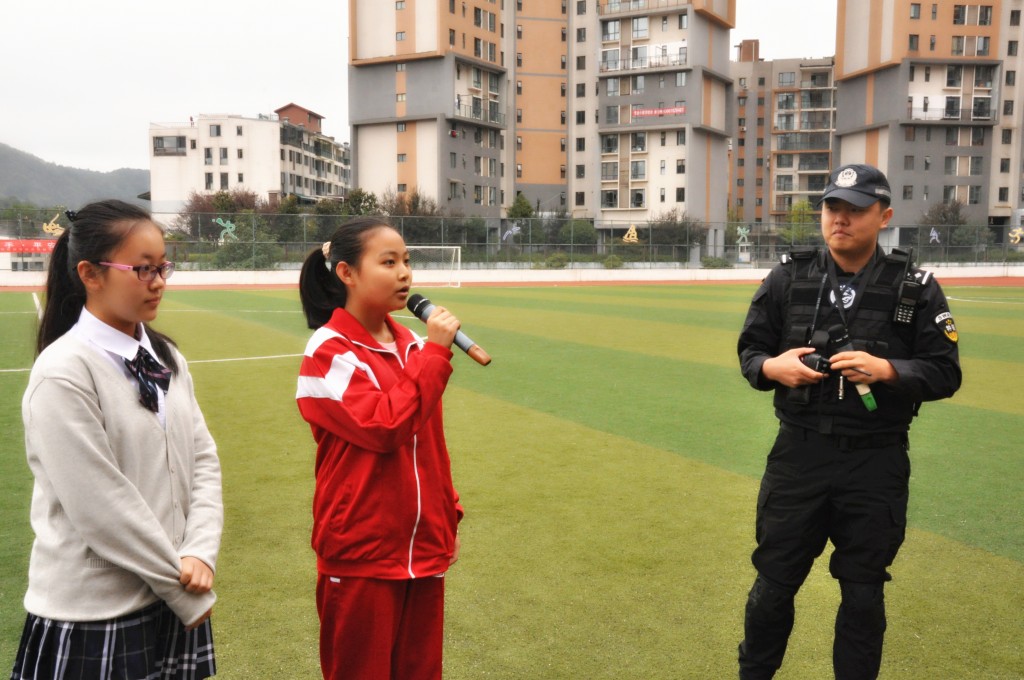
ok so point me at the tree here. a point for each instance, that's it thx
(945, 226)
(801, 226)
(521, 208)
(361, 202)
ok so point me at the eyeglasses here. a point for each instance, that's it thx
(145, 272)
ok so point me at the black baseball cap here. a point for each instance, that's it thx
(861, 185)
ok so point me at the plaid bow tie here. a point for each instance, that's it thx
(150, 375)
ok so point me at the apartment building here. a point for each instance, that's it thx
(429, 100)
(928, 93)
(588, 108)
(274, 155)
(782, 146)
(650, 121)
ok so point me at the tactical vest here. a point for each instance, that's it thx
(871, 329)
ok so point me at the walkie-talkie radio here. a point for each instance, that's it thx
(908, 295)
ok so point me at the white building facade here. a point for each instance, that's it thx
(273, 155)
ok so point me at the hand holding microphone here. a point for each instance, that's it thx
(423, 308)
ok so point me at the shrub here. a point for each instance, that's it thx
(613, 262)
(715, 263)
(556, 261)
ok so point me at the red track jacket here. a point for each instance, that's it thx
(384, 504)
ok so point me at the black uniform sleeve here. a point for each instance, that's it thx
(933, 371)
(762, 331)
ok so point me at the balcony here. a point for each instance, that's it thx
(950, 115)
(612, 8)
(643, 63)
(480, 114)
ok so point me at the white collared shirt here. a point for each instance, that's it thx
(117, 346)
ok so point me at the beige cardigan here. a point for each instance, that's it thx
(118, 499)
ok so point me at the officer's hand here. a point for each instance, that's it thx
(846, 363)
(788, 370)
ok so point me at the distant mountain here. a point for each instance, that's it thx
(28, 178)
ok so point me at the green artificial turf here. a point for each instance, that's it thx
(608, 460)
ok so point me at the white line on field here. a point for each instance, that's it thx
(991, 301)
(198, 361)
(39, 307)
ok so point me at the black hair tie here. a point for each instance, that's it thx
(72, 215)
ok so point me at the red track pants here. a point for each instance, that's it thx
(376, 629)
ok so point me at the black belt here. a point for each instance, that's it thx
(845, 442)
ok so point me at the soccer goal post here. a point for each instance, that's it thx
(436, 266)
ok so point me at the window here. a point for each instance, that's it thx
(215, 130)
(240, 154)
(973, 194)
(207, 156)
(609, 144)
(400, 36)
(983, 46)
(581, 117)
(1015, 17)
(954, 74)
(1011, 48)
(581, 171)
(581, 144)
(952, 110)
(680, 195)
(950, 165)
(581, 7)
(581, 62)
(223, 181)
(982, 109)
(908, 162)
(609, 171)
(1007, 137)
(241, 178)
(915, 10)
(948, 194)
(638, 141)
(912, 44)
(952, 136)
(931, 43)
(1011, 77)
(978, 136)
(985, 15)
(787, 79)
(640, 27)
(976, 165)
(638, 170)
(610, 198)
(927, 74)
(610, 30)
(209, 181)
(908, 192)
(400, 97)
(1004, 165)
(580, 198)
(958, 45)
(453, 159)
(637, 198)
(910, 133)
(959, 15)
(581, 35)
(401, 158)
(1008, 107)
(684, 20)
(519, 170)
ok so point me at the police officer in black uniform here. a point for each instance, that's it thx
(852, 341)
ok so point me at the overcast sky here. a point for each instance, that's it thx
(81, 81)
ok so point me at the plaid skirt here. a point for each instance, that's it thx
(150, 644)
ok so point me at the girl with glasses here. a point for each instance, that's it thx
(126, 506)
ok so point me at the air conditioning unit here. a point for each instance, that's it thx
(743, 128)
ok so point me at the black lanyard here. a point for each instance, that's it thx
(830, 275)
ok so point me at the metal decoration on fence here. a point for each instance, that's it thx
(228, 232)
(631, 236)
(1015, 235)
(52, 227)
(512, 231)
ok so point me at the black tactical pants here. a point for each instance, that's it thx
(816, 488)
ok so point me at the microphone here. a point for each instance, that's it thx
(423, 308)
(840, 339)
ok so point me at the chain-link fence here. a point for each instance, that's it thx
(260, 241)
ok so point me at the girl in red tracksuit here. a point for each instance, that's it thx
(385, 513)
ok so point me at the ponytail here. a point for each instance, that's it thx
(65, 295)
(320, 289)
